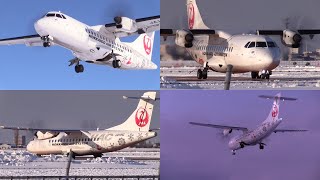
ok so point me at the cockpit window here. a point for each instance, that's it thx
(50, 15)
(58, 15)
(271, 44)
(63, 16)
(261, 44)
(252, 44)
(246, 46)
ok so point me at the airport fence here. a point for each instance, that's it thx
(81, 177)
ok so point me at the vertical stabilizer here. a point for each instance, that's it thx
(194, 17)
(143, 44)
(274, 112)
(141, 117)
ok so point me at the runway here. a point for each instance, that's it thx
(135, 162)
(182, 75)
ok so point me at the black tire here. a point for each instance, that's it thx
(268, 76)
(261, 146)
(118, 63)
(205, 74)
(81, 68)
(241, 145)
(114, 64)
(254, 75)
(199, 74)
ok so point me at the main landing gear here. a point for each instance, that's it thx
(78, 67)
(115, 63)
(202, 74)
(261, 145)
(46, 41)
(265, 74)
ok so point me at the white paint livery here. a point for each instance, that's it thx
(96, 44)
(134, 130)
(258, 135)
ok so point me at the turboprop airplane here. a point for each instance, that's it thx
(216, 49)
(82, 142)
(96, 44)
(258, 135)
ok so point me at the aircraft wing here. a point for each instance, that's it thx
(280, 32)
(210, 32)
(42, 129)
(143, 25)
(220, 126)
(32, 40)
(289, 130)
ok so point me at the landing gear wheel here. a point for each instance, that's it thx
(233, 152)
(241, 145)
(268, 76)
(116, 63)
(254, 75)
(261, 146)
(46, 44)
(205, 73)
(199, 74)
(79, 68)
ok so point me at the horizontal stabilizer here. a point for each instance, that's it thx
(274, 97)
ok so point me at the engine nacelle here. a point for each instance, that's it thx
(46, 135)
(227, 131)
(291, 38)
(184, 38)
(125, 24)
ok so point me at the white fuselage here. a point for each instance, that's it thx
(89, 43)
(217, 53)
(256, 136)
(88, 143)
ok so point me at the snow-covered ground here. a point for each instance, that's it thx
(182, 75)
(22, 163)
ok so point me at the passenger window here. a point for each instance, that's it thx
(261, 44)
(252, 44)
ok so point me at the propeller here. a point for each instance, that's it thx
(117, 9)
(295, 23)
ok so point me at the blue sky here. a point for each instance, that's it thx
(40, 68)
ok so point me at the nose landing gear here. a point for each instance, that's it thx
(233, 152)
(46, 41)
(265, 74)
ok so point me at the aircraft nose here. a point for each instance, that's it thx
(231, 144)
(154, 66)
(271, 60)
(39, 26)
(29, 146)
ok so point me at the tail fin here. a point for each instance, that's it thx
(140, 119)
(274, 112)
(194, 16)
(144, 44)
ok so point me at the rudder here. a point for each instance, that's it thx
(140, 119)
(144, 44)
(194, 17)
